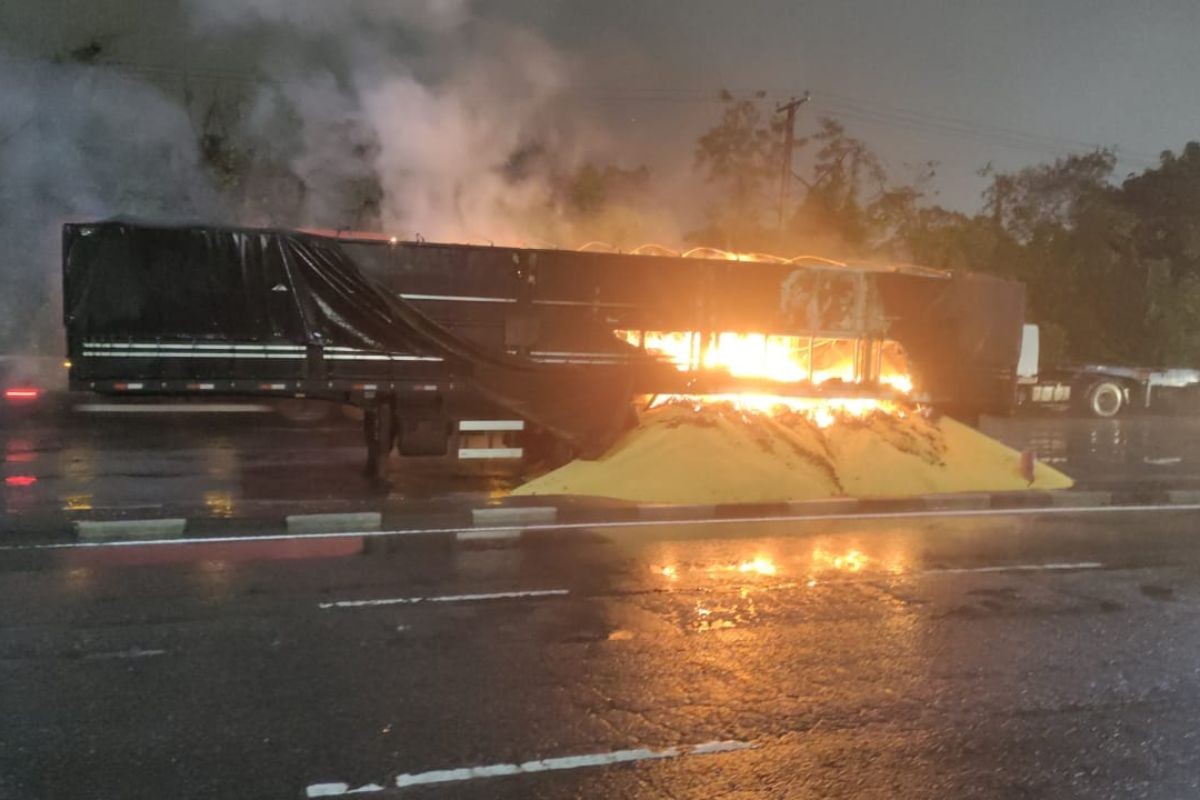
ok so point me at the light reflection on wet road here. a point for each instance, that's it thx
(226, 466)
(218, 466)
(1004, 656)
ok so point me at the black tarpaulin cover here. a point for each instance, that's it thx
(127, 281)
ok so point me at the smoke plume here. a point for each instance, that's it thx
(415, 117)
(80, 143)
(420, 118)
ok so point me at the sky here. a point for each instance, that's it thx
(960, 82)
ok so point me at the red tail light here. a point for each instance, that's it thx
(19, 394)
(20, 480)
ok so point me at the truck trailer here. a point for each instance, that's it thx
(504, 353)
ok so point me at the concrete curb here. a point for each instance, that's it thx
(508, 522)
(952, 502)
(335, 523)
(514, 515)
(836, 505)
(667, 511)
(171, 528)
(1082, 499)
(491, 534)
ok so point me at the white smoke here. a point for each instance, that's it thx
(339, 17)
(428, 101)
(414, 116)
(76, 144)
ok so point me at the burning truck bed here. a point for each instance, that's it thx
(496, 352)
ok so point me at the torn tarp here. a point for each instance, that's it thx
(203, 286)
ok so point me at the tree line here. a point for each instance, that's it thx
(1112, 267)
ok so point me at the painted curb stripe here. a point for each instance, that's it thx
(514, 514)
(143, 528)
(334, 523)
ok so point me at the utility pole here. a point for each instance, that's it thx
(789, 145)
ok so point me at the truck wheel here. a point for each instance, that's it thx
(1105, 399)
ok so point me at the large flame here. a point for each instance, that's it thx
(771, 357)
(787, 359)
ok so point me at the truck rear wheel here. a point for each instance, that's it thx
(1105, 399)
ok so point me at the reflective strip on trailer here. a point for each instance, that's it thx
(458, 298)
(364, 356)
(191, 354)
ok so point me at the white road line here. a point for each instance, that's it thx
(1016, 568)
(637, 523)
(447, 598)
(133, 652)
(586, 761)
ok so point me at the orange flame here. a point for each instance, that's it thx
(787, 359)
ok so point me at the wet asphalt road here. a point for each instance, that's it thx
(259, 465)
(1001, 656)
(997, 656)
(201, 464)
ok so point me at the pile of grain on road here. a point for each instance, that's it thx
(680, 453)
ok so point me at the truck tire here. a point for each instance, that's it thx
(1105, 399)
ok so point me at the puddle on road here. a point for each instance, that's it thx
(1084, 447)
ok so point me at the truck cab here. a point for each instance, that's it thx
(1096, 390)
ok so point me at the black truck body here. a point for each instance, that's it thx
(424, 336)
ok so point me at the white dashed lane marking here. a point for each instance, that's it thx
(133, 652)
(438, 776)
(446, 598)
(1058, 567)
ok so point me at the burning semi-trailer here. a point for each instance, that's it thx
(527, 354)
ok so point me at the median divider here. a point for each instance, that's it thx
(1081, 499)
(557, 515)
(958, 501)
(514, 516)
(1183, 496)
(346, 522)
(130, 529)
(834, 505)
(668, 511)
(488, 535)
